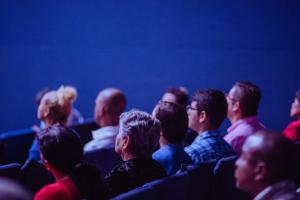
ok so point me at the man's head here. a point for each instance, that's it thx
(243, 100)
(207, 111)
(109, 105)
(266, 158)
(177, 95)
(138, 134)
(174, 121)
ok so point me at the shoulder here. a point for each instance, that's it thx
(51, 191)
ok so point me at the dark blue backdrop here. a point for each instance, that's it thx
(144, 46)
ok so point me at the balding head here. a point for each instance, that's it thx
(267, 158)
(109, 105)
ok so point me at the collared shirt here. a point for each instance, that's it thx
(102, 138)
(171, 157)
(240, 130)
(208, 146)
(285, 190)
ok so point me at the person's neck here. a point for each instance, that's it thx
(258, 189)
(206, 128)
(127, 156)
(58, 175)
(163, 141)
(108, 122)
(235, 118)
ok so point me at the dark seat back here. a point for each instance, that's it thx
(224, 183)
(14, 145)
(103, 159)
(11, 171)
(35, 176)
(85, 130)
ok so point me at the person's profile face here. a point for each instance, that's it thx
(295, 109)
(42, 109)
(231, 100)
(193, 116)
(99, 104)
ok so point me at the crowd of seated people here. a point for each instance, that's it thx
(151, 147)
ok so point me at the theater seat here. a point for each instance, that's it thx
(14, 145)
(224, 182)
(85, 130)
(141, 193)
(103, 159)
(11, 171)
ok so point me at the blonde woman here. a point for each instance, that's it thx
(54, 108)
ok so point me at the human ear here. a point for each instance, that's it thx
(202, 116)
(260, 171)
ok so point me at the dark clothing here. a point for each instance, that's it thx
(189, 137)
(133, 173)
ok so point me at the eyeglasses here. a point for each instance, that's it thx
(189, 107)
(231, 98)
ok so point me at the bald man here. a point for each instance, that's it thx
(268, 167)
(109, 105)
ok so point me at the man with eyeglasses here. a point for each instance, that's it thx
(206, 113)
(243, 102)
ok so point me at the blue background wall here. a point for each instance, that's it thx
(144, 46)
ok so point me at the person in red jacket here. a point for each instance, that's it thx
(61, 152)
(292, 131)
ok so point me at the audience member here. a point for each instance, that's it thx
(137, 138)
(61, 151)
(109, 105)
(54, 108)
(292, 131)
(206, 113)
(267, 166)
(174, 123)
(243, 101)
(75, 117)
(179, 95)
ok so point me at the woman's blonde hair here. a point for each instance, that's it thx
(59, 102)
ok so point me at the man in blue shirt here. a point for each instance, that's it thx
(174, 124)
(206, 113)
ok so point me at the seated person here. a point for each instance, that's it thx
(109, 105)
(267, 167)
(54, 108)
(61, 152)
(206, 114)
(292, 131)
(243, 102)
(137, 138)
(174, 123)
(75, 116)
(179, 96)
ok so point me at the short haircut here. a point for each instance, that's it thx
(280, 155)
(181, 95)
(61, 147)
(116, 104)
(298, 95)
(174, 121)
(249, 96)
(143, 131)
(213, 102)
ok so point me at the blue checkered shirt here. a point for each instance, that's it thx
(208, 146)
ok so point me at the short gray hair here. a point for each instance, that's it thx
(143, 131)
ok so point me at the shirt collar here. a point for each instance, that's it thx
(241, 121)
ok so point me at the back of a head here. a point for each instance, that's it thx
(59, 102)
(143, 131)
(249, 95)
(180, 94)
(174, 121)
(61, 147)
(280, 155)
(214, 103)
(115, 101)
